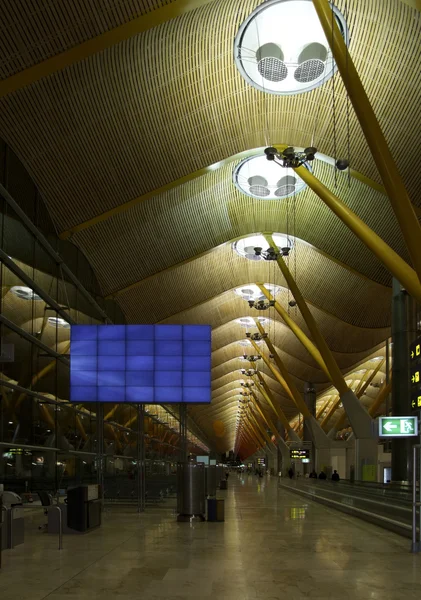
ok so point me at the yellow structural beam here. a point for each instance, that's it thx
(324, 407)
(264, 389)
(298, 400)
(335, 373)
(296, 330)
(388, 257)
(361, 391)
(274, 371)
(267, 419)
(97, 44)
(260, 427)
(335, 403)
(376, 141)
(381, 396)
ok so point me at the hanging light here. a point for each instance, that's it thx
(281, 47)
(260, 178)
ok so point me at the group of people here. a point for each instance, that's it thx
(313, 475)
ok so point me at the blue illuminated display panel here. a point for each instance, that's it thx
(140, 363)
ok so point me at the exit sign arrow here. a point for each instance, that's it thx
(398, 426)
(389, 426)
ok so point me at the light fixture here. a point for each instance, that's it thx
(248, 372)
(25, 293)
(281, 47)
(260, 178)
(58, 322)
(246, 246)
(252, 293)
(249, 321)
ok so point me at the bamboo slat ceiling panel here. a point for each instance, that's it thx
(170, 101)
(223, 269)
(32, 31)
(212, 211)
(96, 130)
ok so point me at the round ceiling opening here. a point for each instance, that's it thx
(260, 178)
(245, 247)
(281, 47)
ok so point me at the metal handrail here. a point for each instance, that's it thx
(60, 520)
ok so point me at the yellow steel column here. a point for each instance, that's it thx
(324, 407)
(260, 427)
(361, 391)
(334, 371)
(334, 406)
(390, 259)
(276, 373)
(381, 396)
(257, 434)
(267, 395)
(299, 402)
(268, 420)
(297, 331)
(382, 156)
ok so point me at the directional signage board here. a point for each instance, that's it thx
(398, 426)
(415, 373)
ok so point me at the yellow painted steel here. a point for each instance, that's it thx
(298, 332)
(275, 372)
(376, 141)
(362, 390)
(381, 397)
(268, 420)
(334, 371)
(390, 259)
(260, 427)
(257, 434)
(323, 408)
(298, 400)
(336, 402)
(97, 44)
(111, 412)
(186, 179)
(264, 389)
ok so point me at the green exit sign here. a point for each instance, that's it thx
(398, 426)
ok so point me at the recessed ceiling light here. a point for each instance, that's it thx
(249, 321)
(245, 247)
(25, 293)
(264, 179)
(252, 291)
(281, 47)
(58, 322)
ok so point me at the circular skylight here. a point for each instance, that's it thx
(245, 247)
(249, 321)
(281, 47)
(258, 177)
(247, 343)
(58, 322)
(25, 293)
(253, 292)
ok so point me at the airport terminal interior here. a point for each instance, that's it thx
(210, 312)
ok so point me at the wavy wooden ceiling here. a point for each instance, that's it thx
(169, 101)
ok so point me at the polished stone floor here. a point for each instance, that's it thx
(273, 545)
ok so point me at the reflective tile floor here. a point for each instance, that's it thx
(273, 545)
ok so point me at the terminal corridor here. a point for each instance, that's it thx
(273, 545)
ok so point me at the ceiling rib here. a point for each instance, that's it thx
(98, 44)
(191, 177)
(211, 250)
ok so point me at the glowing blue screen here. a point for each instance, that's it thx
(140, 363)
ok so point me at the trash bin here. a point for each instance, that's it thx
(212, 503)
(220, 510)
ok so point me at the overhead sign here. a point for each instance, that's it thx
(299, 453)
(415, 373)
(398, 426)
(415, 351)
